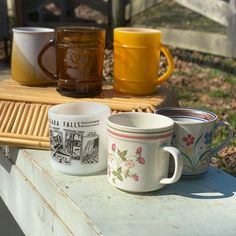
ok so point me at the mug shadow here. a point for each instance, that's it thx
(215, 184)
(100, 173)
(8, 157)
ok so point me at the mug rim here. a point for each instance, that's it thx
(137, 30)
(185, 112)
(79, 29)
(30, 30)
(112, 123)
(54, 110)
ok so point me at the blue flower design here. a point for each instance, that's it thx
(208, 137)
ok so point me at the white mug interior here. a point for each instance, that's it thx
(79, 109)
(139, 121)
(187, 115)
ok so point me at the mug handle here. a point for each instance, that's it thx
(226, 141)
(170, 69)
(175, 153)
(40, 60)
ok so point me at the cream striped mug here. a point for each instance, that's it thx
(139, 151)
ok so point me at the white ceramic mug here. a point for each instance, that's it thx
(193, 136)
(77, 140)
(139, 150)
(26, 46)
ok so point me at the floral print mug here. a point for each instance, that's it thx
(193, 136)
(139, 150)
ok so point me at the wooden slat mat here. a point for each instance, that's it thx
(23, 110)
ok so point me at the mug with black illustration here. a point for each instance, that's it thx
(77, 141)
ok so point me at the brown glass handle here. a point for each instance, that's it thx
(40, 60)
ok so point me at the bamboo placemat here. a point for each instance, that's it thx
(23, 110)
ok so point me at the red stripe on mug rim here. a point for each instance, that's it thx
(141, 136)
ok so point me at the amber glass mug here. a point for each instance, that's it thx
(136, 60)
(79, 60)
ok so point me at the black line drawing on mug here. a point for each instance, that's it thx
(90, 148)
(68, 145)
(56, 140)
(73, 143)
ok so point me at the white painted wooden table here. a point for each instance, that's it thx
(45, 202)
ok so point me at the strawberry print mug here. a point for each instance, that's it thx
(139, 150)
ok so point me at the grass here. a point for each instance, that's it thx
(219, 94)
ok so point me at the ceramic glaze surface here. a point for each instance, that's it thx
(136, 60)
(138, 158)
(26, 46)
(193, 136)
(77, 141)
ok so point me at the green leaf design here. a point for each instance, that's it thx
(121, 173)
(119, 152)
(197, 141)
(187, 157)
(187, 166)
(120, 177)
(127, 174)
(203, 154)
(119, 170)
(200, 163)
(122, 154)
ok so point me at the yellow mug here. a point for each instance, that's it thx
(136, 60)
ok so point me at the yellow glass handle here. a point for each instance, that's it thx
(170, 63)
